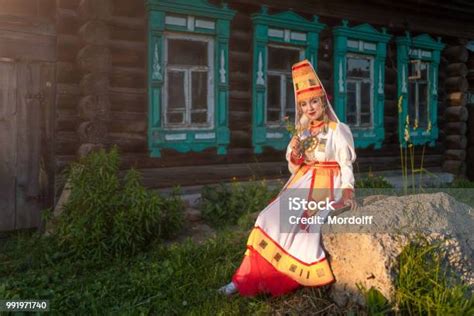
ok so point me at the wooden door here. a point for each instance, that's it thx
(25, 98)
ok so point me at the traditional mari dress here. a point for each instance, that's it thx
(279, 261)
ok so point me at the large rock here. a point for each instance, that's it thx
(367, 254)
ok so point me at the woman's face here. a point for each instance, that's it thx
(312, 107)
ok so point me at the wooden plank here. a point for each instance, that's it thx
(30, 116)
(8, 125)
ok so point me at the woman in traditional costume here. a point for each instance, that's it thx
(281, 256)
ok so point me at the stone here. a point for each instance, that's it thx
(368, 254)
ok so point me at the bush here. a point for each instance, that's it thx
(371, 181)
(107, 217)
(224, 205)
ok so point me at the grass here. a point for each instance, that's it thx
(177, 280)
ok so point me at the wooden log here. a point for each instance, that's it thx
(95, 10)
(457, 69)
(455, 167)
(457, 99)
(456, 84)
(390, 76)
(456, 54)
(67, 100)
(456, 114)
(66, 120)
(67, 47)
(67, 21)
(95, 106)
(128, 77)
(128, 54)
(240, 120)
(456, 141)
(241, 138)
(132, 102)
(94, 83)
(390, 106)
(94, 32)
(455, 128)
(391, 91)
(92, 58)
(325, 67)
(455, 154)
(92, 132)
(240, 105)
(240, 80)
(67, 72)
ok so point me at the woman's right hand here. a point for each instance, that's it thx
(295, 145)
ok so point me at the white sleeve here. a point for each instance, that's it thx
(291, 167)
(345, 154)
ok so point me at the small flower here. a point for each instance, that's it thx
(407, 134)
(400, 99)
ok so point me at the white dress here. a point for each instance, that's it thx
(294, 249)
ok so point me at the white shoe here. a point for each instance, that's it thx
(228, 289)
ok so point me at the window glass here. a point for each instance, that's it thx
(187, 52)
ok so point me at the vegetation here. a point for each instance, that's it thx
(105, 216)
(427, 286)
(226, 204)
(107, 256)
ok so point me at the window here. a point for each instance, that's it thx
(359, 107)
(189, 100)
(417, 65)
(280, 94)
(280, 40)
(187, 76)
(359, 70)
(418, 100)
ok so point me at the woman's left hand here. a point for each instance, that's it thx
(348, 198)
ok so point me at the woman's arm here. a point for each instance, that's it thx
(294, 158)
(345, 155)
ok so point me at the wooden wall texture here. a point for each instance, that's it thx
(27, 97)
(123, 96)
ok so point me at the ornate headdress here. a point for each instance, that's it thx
(306, 85)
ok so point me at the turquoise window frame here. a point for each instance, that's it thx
(287, 24)
(426, 49)
(200, 18)
(370, 42)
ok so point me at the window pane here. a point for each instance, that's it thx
(422, 105)
(273, 116)
(365, 102)
(290, 100)
(351, 103)
(199, 90)
(200, 117)
(358, 67)
(176, 90)
(273, 99)
(412, 102)
(424, 71)
(187, 52)
(365, 119)
(175, 118)
(282, 58)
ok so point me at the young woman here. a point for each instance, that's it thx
(281, 256)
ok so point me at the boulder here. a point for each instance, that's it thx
(367, 253)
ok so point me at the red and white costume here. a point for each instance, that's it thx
(277, 261)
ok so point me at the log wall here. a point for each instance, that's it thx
(470, 122)
(454, 57)
(101, 95)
